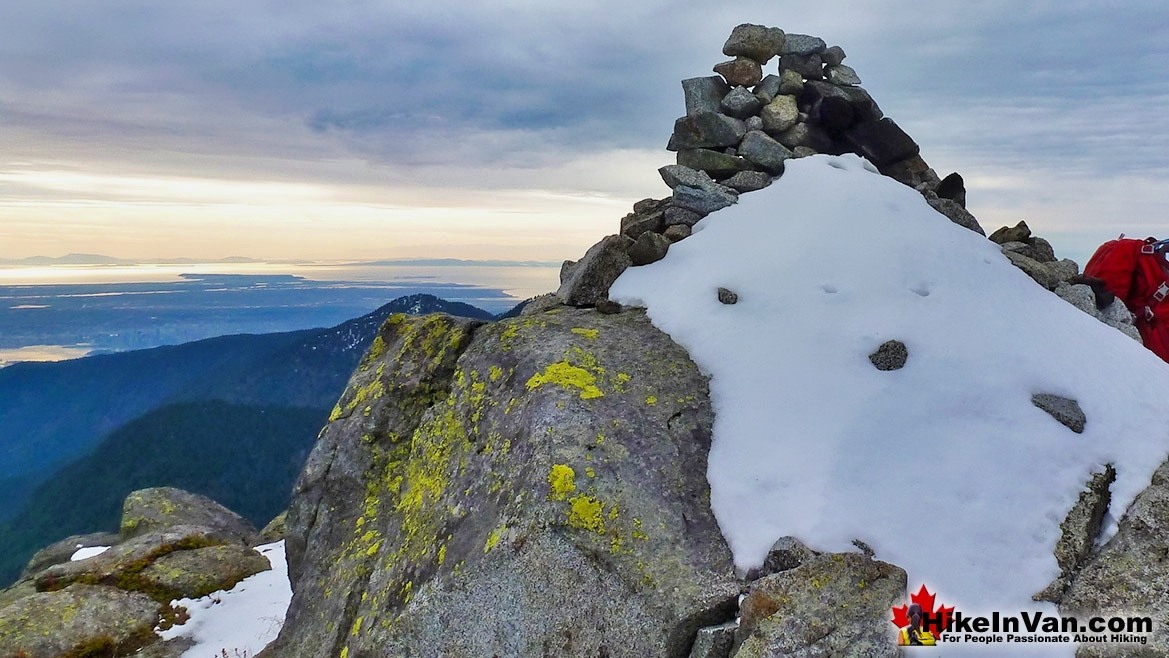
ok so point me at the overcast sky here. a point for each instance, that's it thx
(358, 129)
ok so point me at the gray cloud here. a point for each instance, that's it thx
(282, 87)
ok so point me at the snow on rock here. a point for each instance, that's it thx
(84, 552)
(944, 467)
(243, 619)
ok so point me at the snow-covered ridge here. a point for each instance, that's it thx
(944, 467)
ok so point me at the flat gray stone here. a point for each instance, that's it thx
(802, 44)
(842, 74)
(704, 94)
(758, 42)
(762, 150)
(740, 103)
(718, 165)
(1065, 410)
(748, 181)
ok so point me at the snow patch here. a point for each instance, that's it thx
(84, 552)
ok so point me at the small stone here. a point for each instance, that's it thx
(703, 201)
(842, 75)
(802, 44)
(675, 175)
(634, 224)
(803, 152)
(881, 142)
(649, 248)
(748, 181)
(758, 42)
(808, 66)
(608, 306)
(706, 130)
(1019, 233)
(957, 214)
(718, 165)
(714, 641)
(591, 277)
(832, 56)
(1044, 252)
(740, 71)
(785, 554)
(677, 232)
(740, 103)
(790, 83)
(1065, 410)
(768, 88)
(762, 150)
(753, 123)
(891, 355)
(952, 187)
(704, 94)
(681, 217)
(803, 134)
(1040, 273)
(725, 296)
(780, 114)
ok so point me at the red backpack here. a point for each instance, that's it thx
(1136, 271)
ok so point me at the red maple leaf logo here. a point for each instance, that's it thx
(925, 599)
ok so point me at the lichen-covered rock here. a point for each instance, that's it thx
(589, 279)
(199, 572)
(63, 550)
(274, 531)
(1080, 529)
(758, 42)
(802, 44)
(531, 487)
(704, 200)
(836, 604)
(714, 641)
(80, 620)
(780, 114)
(1129, 575)
(122, 565)
(718, 165)
(740, 71)
(842, 74)
(1041, 274)
(1018, 233)
(649, 248)
(159, 508)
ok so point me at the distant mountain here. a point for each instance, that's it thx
(52, 414)
(457, 262)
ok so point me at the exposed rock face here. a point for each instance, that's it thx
(1065, 410)
(532, 486)
(1129, 575)
(820, 609)
(81, 620)
(147, 510)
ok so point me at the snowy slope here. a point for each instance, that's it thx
(242, 620)
(944, 467)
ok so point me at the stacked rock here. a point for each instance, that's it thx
(740, 127)
(1036, 257)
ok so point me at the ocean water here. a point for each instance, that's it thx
(55, 312)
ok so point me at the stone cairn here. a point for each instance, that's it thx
(743, 124)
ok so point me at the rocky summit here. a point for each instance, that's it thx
(537, 486)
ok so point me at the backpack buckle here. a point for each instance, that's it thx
(1162, 292)
(1149, 314)
(1148, 248)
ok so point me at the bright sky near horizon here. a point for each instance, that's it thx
(525, 130)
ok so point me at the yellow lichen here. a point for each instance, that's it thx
(563, 373)
(494, 373)
(442, 554)
(651, 400)
(590, 472)
(591, 334)
(493, 538)
(585, 512)
(561, 481)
